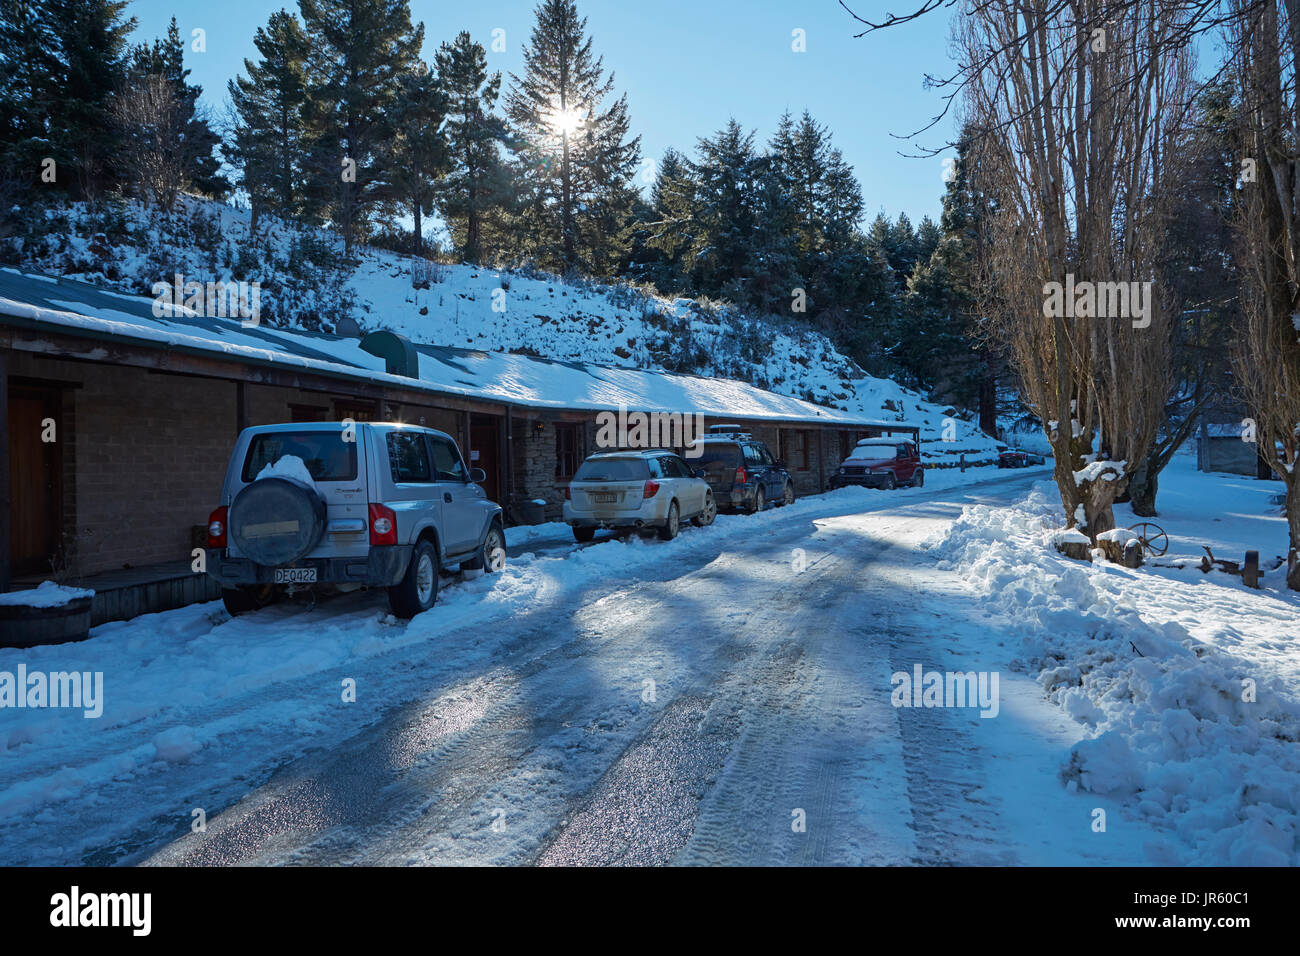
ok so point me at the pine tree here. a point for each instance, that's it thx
(943, 351)
(359, 51)
(420, 146)
(581, 157)
(477, 187)
(29, 71)
(92, 44)
(666, 253)
(271, 102)
(826, 204)
(726, 171)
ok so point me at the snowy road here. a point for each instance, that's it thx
(725, 700)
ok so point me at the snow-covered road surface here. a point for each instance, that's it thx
(724, 698)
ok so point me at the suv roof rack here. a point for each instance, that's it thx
(730, 431)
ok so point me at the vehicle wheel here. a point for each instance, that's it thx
(247, 598)
(919, 480)
(787, 497)
(760, 500)
(710, 512)
(583, 535)
(419, 588)
(672, 525)
(492, 555)
(890, 482)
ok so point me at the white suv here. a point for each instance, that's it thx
(637, 490)
(321, 505)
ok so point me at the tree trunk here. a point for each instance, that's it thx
(1293, 523)
(988, 402)
(566, 210)
(419, 233)
(1142, 488)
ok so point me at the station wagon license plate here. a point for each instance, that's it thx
(295, 575)
(606, 499)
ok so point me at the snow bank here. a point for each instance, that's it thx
(1194, 727)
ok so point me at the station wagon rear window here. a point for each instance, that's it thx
(613, 469)
(327, 456)
(720, 453)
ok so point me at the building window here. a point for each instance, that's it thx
(308, 413)
(801, 450)
(357, 411)
(570, 449)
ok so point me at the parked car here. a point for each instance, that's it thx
(637, 490)
(1014, 458)
(315, 505)
(881, 463)
(742, 471)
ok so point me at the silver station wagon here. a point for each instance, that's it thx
(637, 490)
(322, 506)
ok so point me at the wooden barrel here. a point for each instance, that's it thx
(24, 626)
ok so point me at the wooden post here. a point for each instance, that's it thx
(508, 486)
(821, 459)
(4, 472)
(243, 417)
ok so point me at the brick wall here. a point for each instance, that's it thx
(146, 453)
(143, 460)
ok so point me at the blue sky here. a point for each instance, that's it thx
(686, 66)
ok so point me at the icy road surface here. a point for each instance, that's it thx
(721, 699)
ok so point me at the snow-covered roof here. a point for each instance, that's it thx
(522, 380)
(1224, 430)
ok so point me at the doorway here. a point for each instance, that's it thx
(485, 451)
(35, 478)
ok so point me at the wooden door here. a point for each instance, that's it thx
(485, 451)
(35, 479)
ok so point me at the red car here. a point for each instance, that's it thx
(881, 463)
(1013, 458)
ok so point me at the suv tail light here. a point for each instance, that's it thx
(741, 477)
(651, 489)
(568, 495)
(383, 525)
(217, 528)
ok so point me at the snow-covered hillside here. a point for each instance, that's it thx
(128, 248)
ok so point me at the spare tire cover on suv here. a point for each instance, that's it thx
(276, 520)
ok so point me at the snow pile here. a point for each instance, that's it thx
(288, 466)
(1198, 740)
(48, 594)
(1097, 470)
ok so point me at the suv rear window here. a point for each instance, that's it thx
(718, 453)
(613, 469)
(878, 451)
(327, 456)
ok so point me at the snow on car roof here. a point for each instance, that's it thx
(523, 380)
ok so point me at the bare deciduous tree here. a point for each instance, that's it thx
(1079, 106)
(1265, 45)
(155, 152)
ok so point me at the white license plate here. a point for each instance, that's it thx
(604, 499)
(295, 575)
